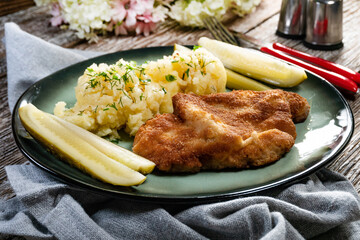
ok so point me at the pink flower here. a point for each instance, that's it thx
(133, 16)
(119, 10)
(57, 19)
(134, 9)
(145, 28)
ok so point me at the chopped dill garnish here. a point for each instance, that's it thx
(120, 102)
(142, 72)
(103, 74)
(170, 78)
(129, 67)
(185, 73)
(112, 84)
(93, 83)
(113, 105)
(204, 64)
(145, 80)
(125, 77)
(125, 93)
(116, 77)
(81, 113)
(163, 89)
(189, 64)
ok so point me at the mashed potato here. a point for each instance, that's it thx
(124, 95)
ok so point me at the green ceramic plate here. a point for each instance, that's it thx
(320, 139)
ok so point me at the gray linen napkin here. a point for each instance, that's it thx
(322, 206)
(30, 58)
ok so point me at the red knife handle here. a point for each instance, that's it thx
(346, 72)
(334, 78)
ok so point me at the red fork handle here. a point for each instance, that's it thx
(334, 78)
(346, 72)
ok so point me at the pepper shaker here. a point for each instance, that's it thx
(292, 19)
(324, 24)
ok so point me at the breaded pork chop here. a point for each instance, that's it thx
(238, 129)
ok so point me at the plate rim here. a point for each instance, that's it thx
(158, 198)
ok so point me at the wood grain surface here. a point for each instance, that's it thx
(261, 24)
(11, 6)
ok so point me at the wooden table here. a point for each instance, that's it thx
(261, 24)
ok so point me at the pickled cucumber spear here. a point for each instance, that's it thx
(254, 64)
(238, 81)
(85, 150)
(234, 80)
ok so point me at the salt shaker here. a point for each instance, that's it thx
(324, 24)
(292, 19)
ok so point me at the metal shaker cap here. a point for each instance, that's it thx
(292, 19)
(324, 24)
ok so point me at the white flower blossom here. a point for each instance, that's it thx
(160, 13)
(86, 16)
(191, 13)
(91, 17)
(243, 7)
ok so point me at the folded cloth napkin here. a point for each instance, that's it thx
(322, 206)
(29, 59)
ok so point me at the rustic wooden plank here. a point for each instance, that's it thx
(262, 13)
(11, 6)
(9, 152)
(6, 191)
